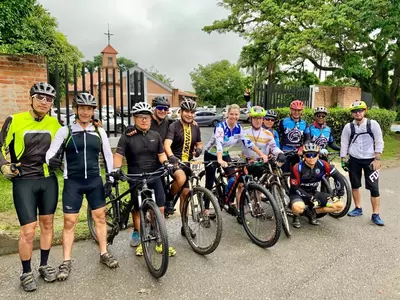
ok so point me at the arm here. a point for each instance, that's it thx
(162, 157)
(307, 135)
(331, 142)
(106, 151)
(6, 137)
(379, 144)
(167, 147)
(339, 178)
(120, 152)
(344, 141)
(57, 144)
(276, 137)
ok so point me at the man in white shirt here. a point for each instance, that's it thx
(362, 141)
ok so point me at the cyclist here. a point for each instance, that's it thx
(305, 177)
(80, 144)
(226, 134)
(291, 130)
(159, 122)
(183, 142)
(269, 121)
(362, 141)
(319, 133)
(26, 137)
(144, 152)
(247, 98)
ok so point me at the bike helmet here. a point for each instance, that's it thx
(311, 147)
(297, 104)
(85, 99)
(188, 104)
(43, 88)
(141, 108)
(320, 109)
(257, 111)
(271, 113)
(358, 105)
(160, 101)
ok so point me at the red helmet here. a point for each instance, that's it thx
(297, 104)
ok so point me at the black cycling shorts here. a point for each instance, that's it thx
(73, 192)
(321, 197)
(290, 162)
(356, 166)
(31, 195)
(159, 193)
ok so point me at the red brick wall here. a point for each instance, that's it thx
(341, 96)
(17, 74)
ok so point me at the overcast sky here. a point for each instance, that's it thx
(165, 34)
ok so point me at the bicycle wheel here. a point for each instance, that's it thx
(202, 232)
(154, 238)
(260, 215)
(347, 197)
(278, 193)
(111, 222)
(217, 190)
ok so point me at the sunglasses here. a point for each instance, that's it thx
(311, 155)
(357, 111)
(164, 108)
(269, 119)
(321, 116)
(42, 98)
(143, 117)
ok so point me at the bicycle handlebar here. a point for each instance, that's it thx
(145, 175)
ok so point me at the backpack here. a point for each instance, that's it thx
(354, 136)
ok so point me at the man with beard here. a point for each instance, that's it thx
(362, 141)
(183, 142)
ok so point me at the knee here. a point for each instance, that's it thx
(180, 178)
(27, 234)
(298, 207)
(69, 224)
(46, 225)
(338, 206)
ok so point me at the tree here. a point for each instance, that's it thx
(220, 83)
(162, 77)
(359, 38)
(297, 78)
(122, 62)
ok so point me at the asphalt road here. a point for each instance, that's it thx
(342, 259)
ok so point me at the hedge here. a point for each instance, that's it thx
(338, 117)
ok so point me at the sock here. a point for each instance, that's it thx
(44, 255)
(26, 266)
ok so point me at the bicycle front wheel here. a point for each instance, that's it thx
(202, 232)
(346, 198)
(278, 193)
(260, 215)
(154, 238)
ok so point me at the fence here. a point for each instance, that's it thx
(116, 92)
(272, 96)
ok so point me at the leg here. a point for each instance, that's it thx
(372, 184)
(99, 217)
(46, 236)
(68, 234)
(25, 243)
(297, 205)
(355, 172)
(180, 179)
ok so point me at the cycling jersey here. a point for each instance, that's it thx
(161, 128)
(320, 135)
(263, 139)
(27, 141)
(291, 133)
(141, 151)
(184, 139)
(81, 150)
(304, 180)
(224, 138)
(276, 135)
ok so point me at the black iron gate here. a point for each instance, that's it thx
(272, 96)
(116, 92)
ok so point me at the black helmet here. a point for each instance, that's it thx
(188, 104)
(271, 114)
(43, 88)
(160, 101)
(85, 99)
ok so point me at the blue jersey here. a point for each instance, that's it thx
(292, 133)
(320, 135)
(276, 136)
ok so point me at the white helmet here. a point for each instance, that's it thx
(141, 108)
(320, 109)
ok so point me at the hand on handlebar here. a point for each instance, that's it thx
(323, 152)
(223, 163)
(264, 158)
(116, 173)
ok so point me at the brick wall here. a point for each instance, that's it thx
(17, 74)
(329, 96)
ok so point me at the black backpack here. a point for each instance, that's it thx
(354, 136)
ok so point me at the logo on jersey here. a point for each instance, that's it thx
(294, 135)
(321, 141)
(317, 171)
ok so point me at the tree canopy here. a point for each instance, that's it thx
(220, 83)
(122, 62)
(354, 38)
(160, 76)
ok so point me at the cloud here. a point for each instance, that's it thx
(165, 34)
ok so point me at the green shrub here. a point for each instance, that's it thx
(338, 117)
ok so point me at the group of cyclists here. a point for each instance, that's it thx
(37, 145)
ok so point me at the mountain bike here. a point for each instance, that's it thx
(257, 206)
(196, 219)
(153, 232)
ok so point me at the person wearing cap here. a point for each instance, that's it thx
(362, 141)
(79, 145)
(26, 137)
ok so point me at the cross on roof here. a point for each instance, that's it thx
(109, 34)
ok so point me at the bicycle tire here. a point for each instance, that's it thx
(188, 205)
(147, 236)
(348, 200)
(277, 193)
(111, 223)
(216, 189)
(276, 215)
